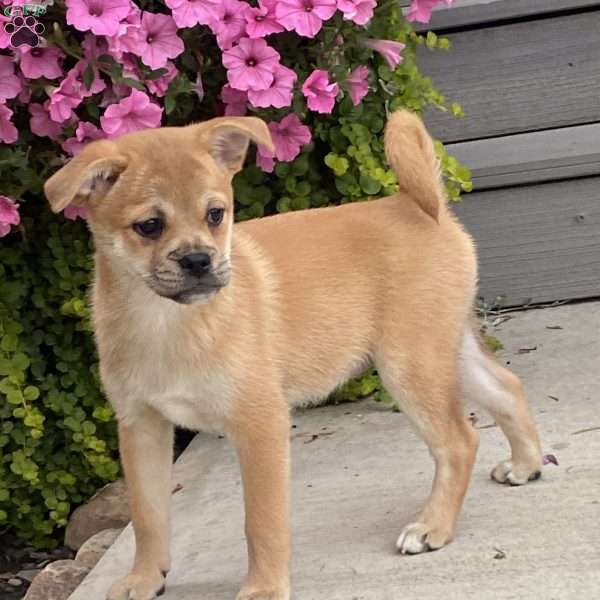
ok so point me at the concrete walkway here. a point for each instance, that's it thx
(367, 474)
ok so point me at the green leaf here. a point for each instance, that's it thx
(303, 189)
(431, 40)
(5, 366)
(170, 104)
(88, 77)
(300, 165)
(9, 343)
(369, 185)
(282, 169)
(93, 110)
(106, 58)
(20, 361)
(31, 393)
(15, 396)
(134, 83)
(156, 74)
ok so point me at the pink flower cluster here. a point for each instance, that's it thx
(145, 44)
(420, 10)
(9, 215)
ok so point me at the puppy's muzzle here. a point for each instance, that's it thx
(199, 275)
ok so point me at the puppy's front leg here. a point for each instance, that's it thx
(261, 436)
(146, 448)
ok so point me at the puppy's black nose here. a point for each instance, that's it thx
(198, 262)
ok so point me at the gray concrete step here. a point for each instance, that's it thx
(355, 488)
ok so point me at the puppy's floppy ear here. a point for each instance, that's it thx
(92, 172)
(227, 139)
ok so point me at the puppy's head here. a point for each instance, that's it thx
(160, 201)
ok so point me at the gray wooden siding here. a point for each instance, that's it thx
(470, 12)
(532, 157)
(521, 77)
(527, 73)
(537, 243)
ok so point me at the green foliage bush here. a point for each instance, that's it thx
(57, 436)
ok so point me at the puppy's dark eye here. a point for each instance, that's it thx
(152, 228)
(215, 215)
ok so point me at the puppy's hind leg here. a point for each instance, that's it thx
(499, 391)
(426, 387)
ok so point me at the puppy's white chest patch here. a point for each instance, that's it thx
(196, 402)
(172, 374)
(199, 401)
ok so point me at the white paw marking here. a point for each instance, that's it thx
(413, 539)
(507, 472)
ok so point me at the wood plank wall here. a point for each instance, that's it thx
(527, 73)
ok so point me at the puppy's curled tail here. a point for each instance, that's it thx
(411, 154)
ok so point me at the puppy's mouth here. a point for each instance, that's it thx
(200, 293)
(188, 289)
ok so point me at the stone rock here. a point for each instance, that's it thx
(28, 574)
(93, 550)
(57, 581)
(15, 582)
(108, 509)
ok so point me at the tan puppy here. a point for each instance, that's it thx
(214, 326)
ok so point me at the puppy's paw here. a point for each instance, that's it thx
(514, 473)
(255, 593)
(137, 587)
(420, 537)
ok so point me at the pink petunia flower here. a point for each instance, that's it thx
(10, 84)
(93, 47)
(4, 37)
(101, 17)
(289, 135)
(97, 84)
(357, 11)
(158, 40)
(133, 113)
(250, 65)
(188, 13)
(24, 96)
(40, 123)
(236, 101)
(66, 97)
(159, 86)
(420, 10)
(85, 133)
(127, 38)
(305, 17)
(8, 132)
(265, 159)
(118, 91)
(73, 212)
(41, 62)
(389, 49)
(358, 87)
(230, 24)
(261, 21)
(548, 459)
(70, 93)
(279, 94)
(9, 214)
(319, 92)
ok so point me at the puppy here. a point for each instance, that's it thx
(214, 326)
